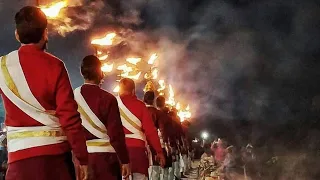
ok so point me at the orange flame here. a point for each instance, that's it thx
(155, 73)
(162, 86)
(178, 106)
(105, 41)
(184, 114)
(125, 68)
(133, 60)
(53, 10)
(152, 59)
(107, 67)
(102, 58)
(171, 100)
(135, 77)
(99, 52)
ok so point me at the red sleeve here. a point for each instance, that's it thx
(115, 132)
(69, 117)
(150, 130)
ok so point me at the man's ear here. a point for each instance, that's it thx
(17, 35)
(45, 35)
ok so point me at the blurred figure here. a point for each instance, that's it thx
(3, 157)
(219, 152)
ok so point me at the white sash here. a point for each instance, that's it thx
(126, 116)
(100, 133)
(11, 75)
(27, 103)
(91, 122)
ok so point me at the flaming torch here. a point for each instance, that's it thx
(152, 74)
(107, 40)
(53, 10)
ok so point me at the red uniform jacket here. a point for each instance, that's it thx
(137, 148)
(105, 106)
(139, 109)
(48, 80)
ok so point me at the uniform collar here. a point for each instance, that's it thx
(29, 48)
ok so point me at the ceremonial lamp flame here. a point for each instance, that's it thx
(162, 87)
(125, 68)
(53, 10)
(102, 58)
(152, 59)
(171, 101)
(133, 60)
(99, 52)
(134, 77)
(178, 106)
(184, 114)
(107, 67)
(105, 41)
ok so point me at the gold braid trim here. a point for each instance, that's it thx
(129, 120)
(97, 143)
(28, 134)
(83, 113)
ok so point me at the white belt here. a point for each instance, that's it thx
(99, 145)
(20, 138)
(139, 136)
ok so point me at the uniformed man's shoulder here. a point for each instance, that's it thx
(108, 95)
(140, 103)
(52, 60)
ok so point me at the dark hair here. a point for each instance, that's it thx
(31, 23)
(127, 84)
(91, 68)
(149, 97)
(161, 102)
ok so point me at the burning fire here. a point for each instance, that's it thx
(133, 60)
(99, 52)
(155, 74)
(105, 41)
(171, 100)
(135, 77)
(184, 114)
(152, 59)
(107, 67)
(178, 106)
(102, 58)
(53, 10)
(162, 86)
(125, 68)
(116, 89)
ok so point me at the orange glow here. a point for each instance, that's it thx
(102, 58)
(105, 41)
(152, 59)
(107, 67)
(53, 10)
(133, 60)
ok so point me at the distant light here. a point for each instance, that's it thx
(204, 135)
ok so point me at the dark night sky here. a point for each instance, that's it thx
(242, 60)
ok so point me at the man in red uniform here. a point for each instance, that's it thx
(160, 119)
(43, 124)
(139, 128)
(169, 137)
(103, 128)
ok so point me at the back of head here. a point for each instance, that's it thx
(31, 24)
(91, 69)
(161, 102)
(149, 97)
(127, 86)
